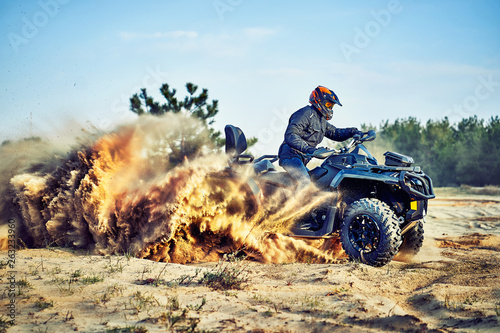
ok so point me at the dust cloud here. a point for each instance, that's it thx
(118, 193)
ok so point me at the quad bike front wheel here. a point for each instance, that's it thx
(370, 232)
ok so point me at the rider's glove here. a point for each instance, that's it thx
(355, 131)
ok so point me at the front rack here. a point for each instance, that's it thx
(426, 192)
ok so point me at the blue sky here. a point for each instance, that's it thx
(69, 64)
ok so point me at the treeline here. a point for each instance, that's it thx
(466, 153)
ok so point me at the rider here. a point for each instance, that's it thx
(306, 129)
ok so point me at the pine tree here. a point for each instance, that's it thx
(188, 139)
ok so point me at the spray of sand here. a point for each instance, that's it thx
(119, 194)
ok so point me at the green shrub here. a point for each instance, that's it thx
(229, 273)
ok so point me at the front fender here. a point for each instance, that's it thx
(352, 173)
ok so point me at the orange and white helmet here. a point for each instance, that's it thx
(323, 99)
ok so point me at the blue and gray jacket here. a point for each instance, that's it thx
(306, 129)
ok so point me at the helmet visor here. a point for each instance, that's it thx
(329, 105)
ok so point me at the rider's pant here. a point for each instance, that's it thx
(297, 170)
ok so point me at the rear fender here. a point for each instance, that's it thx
(227, 181)
(254, 188)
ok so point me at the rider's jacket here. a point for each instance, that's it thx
(306, 129)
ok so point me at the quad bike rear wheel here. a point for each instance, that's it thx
(370, 232)
(412, 242)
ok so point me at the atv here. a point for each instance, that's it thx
(377, 212)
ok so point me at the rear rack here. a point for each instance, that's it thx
(271, 158)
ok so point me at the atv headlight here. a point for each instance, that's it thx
(415, 184)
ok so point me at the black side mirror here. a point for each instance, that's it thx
(369, 136)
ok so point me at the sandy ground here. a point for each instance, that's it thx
(453, 285)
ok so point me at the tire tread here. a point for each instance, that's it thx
(388, 225)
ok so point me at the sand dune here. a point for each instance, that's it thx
(453, 285)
